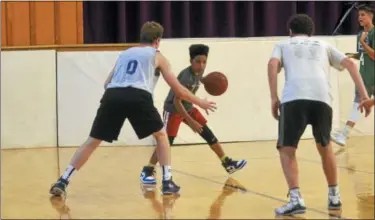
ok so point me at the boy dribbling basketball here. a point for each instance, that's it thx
(128, 95)
(177, 111)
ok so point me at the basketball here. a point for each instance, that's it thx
(215, 83)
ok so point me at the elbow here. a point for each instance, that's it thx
(176, 100)
(347, 63)
(271, 64)
(274, 67)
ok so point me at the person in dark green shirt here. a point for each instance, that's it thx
(365, 55)
(177, 111)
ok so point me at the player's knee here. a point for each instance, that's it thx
(287, 151)
(159, 134)
(208, 136)
(92, 142)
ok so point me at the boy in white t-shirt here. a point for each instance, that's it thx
(306, 99)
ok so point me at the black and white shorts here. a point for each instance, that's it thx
(296, 115)
(119, 104)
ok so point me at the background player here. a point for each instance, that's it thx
(365, 48)
(177, 111)
(306, 100)
(130, 86)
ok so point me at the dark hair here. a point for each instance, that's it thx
(198, 49)
(151, 31)
(301, 24)
(366, 8)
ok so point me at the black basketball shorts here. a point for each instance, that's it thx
(119, 104)
(296, 115)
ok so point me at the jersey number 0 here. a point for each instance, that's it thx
(131, 67)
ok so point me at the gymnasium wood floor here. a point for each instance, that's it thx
(108, 186)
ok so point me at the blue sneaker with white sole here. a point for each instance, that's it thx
(231, 166)
(148, 175)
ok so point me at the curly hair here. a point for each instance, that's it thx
(301, 24)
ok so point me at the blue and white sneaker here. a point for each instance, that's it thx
(334, 201)
(232, 166)
(59, 188)
(169, 187)
(148, 175)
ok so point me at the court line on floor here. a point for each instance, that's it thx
(260, 194)
(315, 162)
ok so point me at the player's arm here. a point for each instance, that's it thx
(340, 62)
(366, 47)
(274, 67)
(177, 102)
(180, 91)
(273, 70)
(367, 104)
(182, 111)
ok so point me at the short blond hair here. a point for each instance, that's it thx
(151, 31)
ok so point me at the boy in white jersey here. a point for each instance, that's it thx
(306, 100)
(129, 95)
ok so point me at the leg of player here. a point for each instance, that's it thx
(292, 123)
(164, 157)
(296, 204)
(106, 126)
(321, 122)
(79, 159)
(228, 163)
(172, 123)
(148, 172)
(341, 136)
(330, 171)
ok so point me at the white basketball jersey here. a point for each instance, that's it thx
(307, 61)
(135, 68)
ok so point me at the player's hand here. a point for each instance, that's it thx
(363, 36)
(195, 126)
(275, 106)
(207, 105)
(366, 106)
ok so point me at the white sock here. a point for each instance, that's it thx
(167, 173)
(68, 173)
(346, 130)
(333, 190)
(294, 193)
(355, 115)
